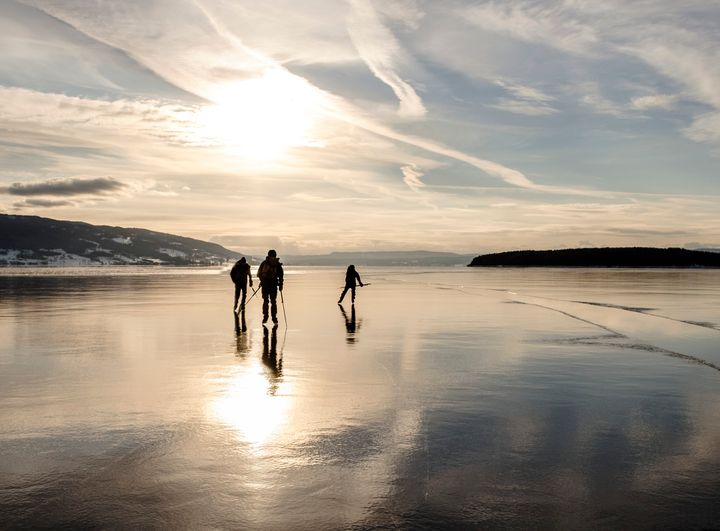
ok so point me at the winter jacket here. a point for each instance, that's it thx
(240, 273)
(350, 277)
(271, 272)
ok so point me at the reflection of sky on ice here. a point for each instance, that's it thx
(456, 404)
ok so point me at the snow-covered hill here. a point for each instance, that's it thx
(32, 240)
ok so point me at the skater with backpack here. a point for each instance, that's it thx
(271, 277)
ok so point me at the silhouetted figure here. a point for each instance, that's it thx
(351, 324)
(270, 357)
(240, 275)
(350, 276)
(271, 277)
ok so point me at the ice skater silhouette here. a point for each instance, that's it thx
(240, 275)
(350, 276)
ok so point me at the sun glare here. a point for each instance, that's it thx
(251, 408)
(261, 118)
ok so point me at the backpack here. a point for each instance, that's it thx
(268, 273)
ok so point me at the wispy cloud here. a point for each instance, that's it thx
(549, 24)
(383, 54)
(526, 100)
(527, 108)
(66, 187)
(494, 169)
(411, 176)
(654, 101)
(705, 129)
(590, 96)
(524, 92)
(677, 40)
(23, 107)
(43, 203)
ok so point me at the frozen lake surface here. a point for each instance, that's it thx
(450, 399)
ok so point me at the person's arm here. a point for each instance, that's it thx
(249, 274)
(358, 277)
(281, 277)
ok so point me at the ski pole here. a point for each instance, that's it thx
(282, 300)
(254, 293)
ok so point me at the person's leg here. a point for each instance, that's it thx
(353, 294)
(342, 296)
(265, 296)
(273, 305)
(237, 296)
(244, 295)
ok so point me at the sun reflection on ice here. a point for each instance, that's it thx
(255, 404)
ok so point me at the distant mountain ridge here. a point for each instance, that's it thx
(601, 257)
(32, 240)
(379, 258)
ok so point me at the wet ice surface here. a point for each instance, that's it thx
(457, 398)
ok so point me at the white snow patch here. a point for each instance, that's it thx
(68, 259)
(9, 254)
(124, 241)
(172, 252)
(123, 258)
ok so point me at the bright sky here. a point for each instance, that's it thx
(373, 125)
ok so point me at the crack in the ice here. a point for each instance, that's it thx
(637, 346)
(646, 311)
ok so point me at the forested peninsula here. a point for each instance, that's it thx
(601, 257)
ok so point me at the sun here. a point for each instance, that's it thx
(261, 118)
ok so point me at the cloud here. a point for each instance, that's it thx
(705, 128)
(494, 169)
(528, 100)
(541, 23)
(591, 96)
(527, 108)
(411, 176)
(524, 92)
(381, 51)
(689, 59)
(676, 39)
(654, 101)
(67, 187)
(22, 109)
(43, 203)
